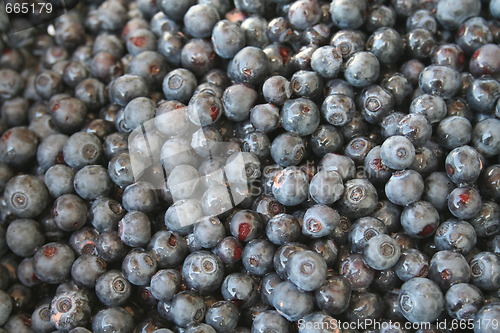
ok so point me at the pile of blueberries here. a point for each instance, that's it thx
(369, 132)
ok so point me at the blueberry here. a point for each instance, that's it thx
(300, 116)
(381, 252)
(110, 247)
(135, 229)
(165, 284)
(420, 300)
(5, 307)
(326, 61)
(203, 271)
(18, 146)
(237, 101)
(69, 212)
(386, 44)
(26, 196)
(269, 320)
(485, 271)
(112, 288)
(114, 318)
(24, 237)
(140, 196)
(454, 132)
(464, 202)
(356, 271)
(291, 186)
(486, 222)
(40, 318)
(240, 288)
(362, 69)
(246, 225)
(348, 15)
(52, 262)
(463, 301)
(416, 128)
(451, 16)
(69, 310)
(291, 302)
(319, 221)
(359, 198)
(483, 61)
(249, 65)
(170, 248)
(326, 187)
(338, 109)
(411, 181)
(412, 263)
(448, 268)
(375, 103)
(420, 219)
(228, 39)
(307, 270)
(485, 137)
(455, 235)
(223, 316)
(86, 269)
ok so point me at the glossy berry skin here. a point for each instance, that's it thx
(222, 315)
(52, 262)
(82, 149)
(269, 320)
(138, 266)
(485, 61)
(334, 295)
(464, 202)
(249, 65)
(463, 301)
(307, 270)
(283, 254)
(170, 248)
(431, 106)
(165, 284)
(300, 116)
(203, 271)
(276, 90)
(359, 198)
(362, 69)
(412, 263)
(485, 137)
(411, 181)
(291, 186)
(487, 222)
(86, 269)
(240, 288)
(288, 149)
(282, 229)
(357, 272)
(257, 257)
(381, 252)
(397, 152)
(112, 288)
(375, 103)
(463, 165)
(338, 109)
(326, 61)
(437, 188)
(326, 187)
(448, 268)
(319, 221)
(485, 271)
(246, 225)
(348, 15)
(454, 131)
(420, 300)
(362, 230)
(487, 313)
(420, 219)
(455, 235)
(299, 302)
(114, 318)
(134, 229)
(69, 310)
(386, 44)
(420, 44)
(18, 146)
